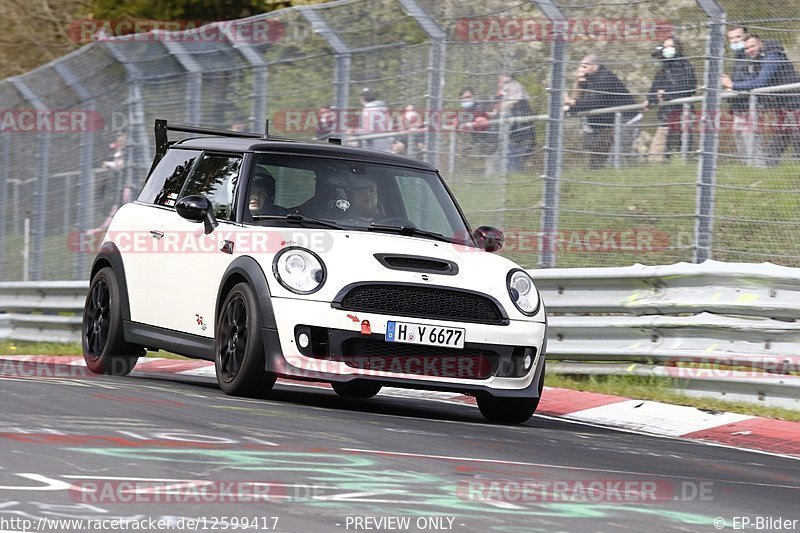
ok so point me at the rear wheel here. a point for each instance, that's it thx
(104, 348)
(239, 347)
(356, 390)
(509, 410)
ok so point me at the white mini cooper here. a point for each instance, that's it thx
(313, 261)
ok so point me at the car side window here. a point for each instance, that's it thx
(215, 177)
(167, 179)
(417, 194)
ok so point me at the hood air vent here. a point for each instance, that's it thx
(415, 263)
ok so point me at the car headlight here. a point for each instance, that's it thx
(299, 270)
(523, 292)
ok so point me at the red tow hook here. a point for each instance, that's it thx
(365, 328)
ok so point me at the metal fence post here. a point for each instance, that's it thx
(259, 80)
(341, 80)
(553, 156)
(40, 189)
(15, 203)
(615, 155)
(752, 116)
(709, 131)
(137, 144)
(83, 202)
(3, 201)
(195, 76)
(451, 153)
(435, 75)
(504, 129)
(686, 109)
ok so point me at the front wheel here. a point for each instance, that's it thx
(510, 410)
(104, 348)
(361, 390)
(507, 410)
(239, 347)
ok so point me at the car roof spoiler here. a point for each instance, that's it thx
(162, 129)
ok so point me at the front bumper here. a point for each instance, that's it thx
(464, 371)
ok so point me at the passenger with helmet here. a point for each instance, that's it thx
(262, 194)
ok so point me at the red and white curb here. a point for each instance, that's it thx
(715, 427)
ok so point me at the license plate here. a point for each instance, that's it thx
(424, 334)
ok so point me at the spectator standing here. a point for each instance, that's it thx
(513, 103)
(477, 138)
(326, 124)
(374, 119)
(599, 87)
(771, 67)
(746, 134)
(411, 128)
(117, 159)
(675, 79)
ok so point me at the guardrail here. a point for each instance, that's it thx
(44, 311)
(720, 329)
(717, 328)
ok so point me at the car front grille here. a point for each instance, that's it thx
(392, 357)
(424, 302)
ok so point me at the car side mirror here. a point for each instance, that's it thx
(196, 208)
(489, 238)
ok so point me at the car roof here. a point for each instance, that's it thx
(317, 149)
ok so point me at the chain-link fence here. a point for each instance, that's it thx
(602, 133)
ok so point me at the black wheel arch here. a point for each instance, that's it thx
(248, 270)
(109, 256)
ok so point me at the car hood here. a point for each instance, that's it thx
(350, 257)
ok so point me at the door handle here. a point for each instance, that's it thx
(156, 234)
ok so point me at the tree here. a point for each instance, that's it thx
(188, 9)
(34, 32)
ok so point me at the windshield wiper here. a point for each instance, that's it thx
(297, 218)
(409, 231)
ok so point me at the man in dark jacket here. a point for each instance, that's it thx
(746, 135)
(598, 88)
(771, 67)
(675, 79)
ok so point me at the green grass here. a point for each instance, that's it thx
(657, 202)
(660, 390)
(8, 347)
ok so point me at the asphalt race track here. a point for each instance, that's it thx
(140, 450)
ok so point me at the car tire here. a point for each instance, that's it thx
(239, 347)
(509, 410)
(104, 348)
(361, 390)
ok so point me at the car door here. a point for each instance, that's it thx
(184, 275)
(134, 232)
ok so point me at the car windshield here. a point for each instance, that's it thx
(353, 195)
